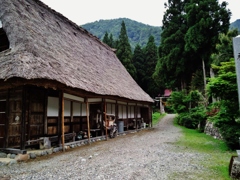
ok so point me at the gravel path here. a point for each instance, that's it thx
(145, 155)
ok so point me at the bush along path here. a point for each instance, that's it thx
(155, 154)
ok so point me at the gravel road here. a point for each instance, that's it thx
(145, 155)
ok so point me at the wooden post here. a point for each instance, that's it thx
(88, 125)
(62, 120)
(150, 115)
(23, 121)
(105, 118)
(45, 111)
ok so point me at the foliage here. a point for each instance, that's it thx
(156, 117)
(124, 52)
(190, 33)
(216, 151)
(194, 119)
(224, 87)
(108, 39)
(224, 48)
(139, 63)
(190, 108)
(150, 59)
(171, 50)
(138, 33)
(179, 102)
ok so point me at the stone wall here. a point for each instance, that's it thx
(212, 131)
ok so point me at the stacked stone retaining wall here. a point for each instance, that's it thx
(211, 130)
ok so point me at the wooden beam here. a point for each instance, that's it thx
(105, 118)
(13, 151)
(62, 121)
(45, 111)
(23, 121)
(88, 124)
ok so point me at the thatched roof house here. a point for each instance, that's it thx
(39, 47)
(46, 45)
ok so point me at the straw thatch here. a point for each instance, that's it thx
(46, 45)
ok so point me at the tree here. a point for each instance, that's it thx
(139, 64)
(108, 39)
(111, 41)
(172, 69)
(205, 20)
(224, 49)
(189, 37)
(124, 52)
(151, 58)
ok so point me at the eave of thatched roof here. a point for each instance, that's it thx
(46, 45)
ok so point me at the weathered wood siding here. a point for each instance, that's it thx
(15, 117)
(3, 117)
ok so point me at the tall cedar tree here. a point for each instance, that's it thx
(111, 41)
(190, 33)
(151, 58)
(108, 39)
(205, 20)
(139, 64)
(172, 70)
(124, 52)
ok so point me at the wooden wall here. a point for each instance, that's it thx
(3, 117)
(29, 112)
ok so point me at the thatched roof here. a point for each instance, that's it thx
(46, 45)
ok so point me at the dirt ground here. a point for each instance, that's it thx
(145, 155)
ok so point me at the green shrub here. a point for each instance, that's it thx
(225, 121)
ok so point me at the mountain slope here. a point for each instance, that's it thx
(235, 24)
(138, 33)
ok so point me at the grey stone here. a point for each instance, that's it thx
(3, 155)
(56, 149)
(32, 155)
(44, 153)
(235, 171)
(3, 163)
(12, 156)
(12, 162)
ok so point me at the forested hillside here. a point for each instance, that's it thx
(235, 24)
(138, 33)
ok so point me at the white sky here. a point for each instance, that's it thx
(148, 12)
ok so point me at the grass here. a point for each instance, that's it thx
(217, 153)
(156, 117)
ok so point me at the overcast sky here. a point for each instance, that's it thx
(145, 11)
